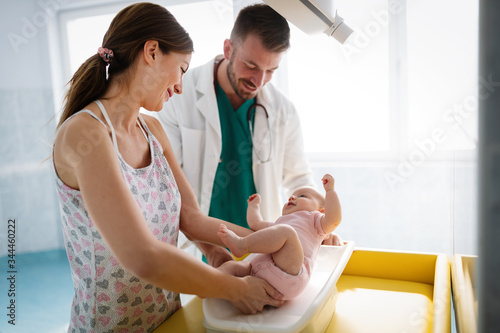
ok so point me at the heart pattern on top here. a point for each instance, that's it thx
(107, 297)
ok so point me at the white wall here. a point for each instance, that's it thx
(25, 62)
(26, 109)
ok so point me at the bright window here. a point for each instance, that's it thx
(442, 72)
(207, 22)
(409, 69)
(84, 37)
(342, 92)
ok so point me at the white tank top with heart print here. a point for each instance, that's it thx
(107, 297)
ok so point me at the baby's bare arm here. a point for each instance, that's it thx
(254, 218)
(333, 210)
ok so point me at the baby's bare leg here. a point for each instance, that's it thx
(279, 240)
(236, 268)
(232, 241)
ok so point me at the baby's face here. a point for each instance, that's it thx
(304, 198)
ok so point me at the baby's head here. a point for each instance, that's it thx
(304, 198)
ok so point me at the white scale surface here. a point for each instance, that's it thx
(310, 311)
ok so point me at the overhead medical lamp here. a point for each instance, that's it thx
(313, 16)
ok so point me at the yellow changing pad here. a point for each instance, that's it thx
(379, 291)
(384, 291)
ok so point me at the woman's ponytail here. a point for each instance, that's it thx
(87, 84)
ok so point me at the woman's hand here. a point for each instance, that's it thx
(256, 295)
(216, 255)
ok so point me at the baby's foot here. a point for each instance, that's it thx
(231, 240)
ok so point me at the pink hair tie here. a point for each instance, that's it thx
(106, 54)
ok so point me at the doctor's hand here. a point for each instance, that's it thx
(257, 294)
(332, 239)
(216, 255)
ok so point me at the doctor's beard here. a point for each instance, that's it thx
(239, 91)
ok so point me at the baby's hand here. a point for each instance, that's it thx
(254, 199)
(328, 182)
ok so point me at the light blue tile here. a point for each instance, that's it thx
(38, 128)
(45, 292)
(30, 197)
(10, 147)
(33, 147)
(9, 106)
(41, 213)
(32, 104)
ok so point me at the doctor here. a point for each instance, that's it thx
(233, 133)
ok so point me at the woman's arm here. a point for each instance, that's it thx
(196, 225)
(115, 213)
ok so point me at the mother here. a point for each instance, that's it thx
(121, 189)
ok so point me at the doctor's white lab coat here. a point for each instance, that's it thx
(191, 121)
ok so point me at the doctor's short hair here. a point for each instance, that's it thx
(266, 23)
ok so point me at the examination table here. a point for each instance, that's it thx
(378, 291)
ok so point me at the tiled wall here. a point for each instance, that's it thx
(27, 191)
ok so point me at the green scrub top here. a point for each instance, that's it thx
(233, 182)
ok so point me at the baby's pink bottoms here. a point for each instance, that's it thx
(289, 285)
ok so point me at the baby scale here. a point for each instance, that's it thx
(311, 311)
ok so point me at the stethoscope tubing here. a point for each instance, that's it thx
(249, 118)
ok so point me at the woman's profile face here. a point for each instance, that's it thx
(166, 78)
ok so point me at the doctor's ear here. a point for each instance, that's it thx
(228, 49)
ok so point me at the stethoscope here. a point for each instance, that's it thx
(249, 119)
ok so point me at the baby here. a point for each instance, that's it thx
(287, 248)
